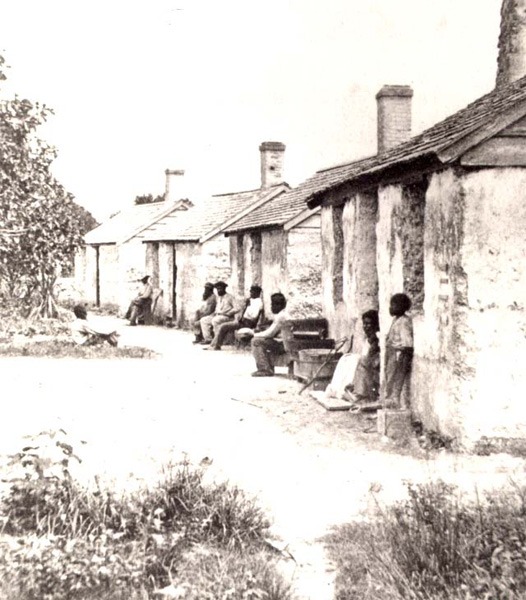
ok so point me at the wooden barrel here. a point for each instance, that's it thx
(317, 363)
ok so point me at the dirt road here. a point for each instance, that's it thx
(310, 468)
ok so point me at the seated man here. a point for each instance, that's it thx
(225, 311)
(365, 387)
(86, 333)
(249, 317)
(208, 307)
(268, 343)
(140, 302)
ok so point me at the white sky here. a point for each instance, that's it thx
(138, 87)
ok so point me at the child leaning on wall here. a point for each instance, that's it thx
(398, 350)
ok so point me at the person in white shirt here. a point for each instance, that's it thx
(225, 311)
(268, 343)
(85, 333)
(248, 317)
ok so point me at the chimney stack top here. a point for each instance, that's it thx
(393, 104)
(402, 91)
(272, 155)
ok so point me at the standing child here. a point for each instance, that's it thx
(398, 350)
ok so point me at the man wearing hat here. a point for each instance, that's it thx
(249, 318)
(141, 301)
(225, 311)
(208, 307)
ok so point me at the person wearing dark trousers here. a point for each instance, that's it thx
(268, 343)
(249, 317)
(398, 350)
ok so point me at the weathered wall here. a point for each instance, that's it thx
(304, 269)
(164, 278)
(196, 264)
(438, 360)
(360, 279)
(493, 309)
(90, 275)
(334, 308)
(274, 265)
(110, 276)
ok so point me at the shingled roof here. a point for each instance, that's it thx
(275, 213)
(443, 143)
(209, 216)
(131, 221)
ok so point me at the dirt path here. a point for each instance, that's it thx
(310, 469)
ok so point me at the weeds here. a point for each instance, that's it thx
(436, 546)
(68, 349)
(65, 541)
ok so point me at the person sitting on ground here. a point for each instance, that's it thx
(141, 302)
(248, 318)
(85, 333)
(208, 307)
(365, 387)
(225, 311)
(268, 343)
(398, 350)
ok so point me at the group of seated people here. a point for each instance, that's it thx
(356, 379)
(218, 316)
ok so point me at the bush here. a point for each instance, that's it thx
(66, 541)
(435, 546)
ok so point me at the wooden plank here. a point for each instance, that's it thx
(330, 404)
(497, 152)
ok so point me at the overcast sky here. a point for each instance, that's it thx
(139, 86)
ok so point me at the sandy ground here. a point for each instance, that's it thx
(310, 469)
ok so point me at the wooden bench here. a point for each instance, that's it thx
(302, 334)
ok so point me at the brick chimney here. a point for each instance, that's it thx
(394, 115)
(174, 185)
(272, 156)
(511, 64)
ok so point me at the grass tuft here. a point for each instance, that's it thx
(436, 546)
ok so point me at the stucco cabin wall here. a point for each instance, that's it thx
(273, 265)
(334, 310)
(360, 278)
(196, 264)
(304, 263)
(131, 266)
(109, 274)
(81, 265)
(470, 336)
(493, 343)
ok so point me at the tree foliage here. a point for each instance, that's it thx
(148, 199)
(40, 225)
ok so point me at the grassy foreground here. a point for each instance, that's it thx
(435, 546)
(179, 539)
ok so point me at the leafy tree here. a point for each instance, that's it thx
(148, 199)
(40, 225)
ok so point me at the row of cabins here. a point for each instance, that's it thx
(266, 236)
(440, 216)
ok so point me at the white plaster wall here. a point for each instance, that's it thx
(494, 327)
(335, 313)
(360, 279)
(434, 385)
(164, 277)
(131, 267)
(388, 252)
(274, 266)
(109, 275)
